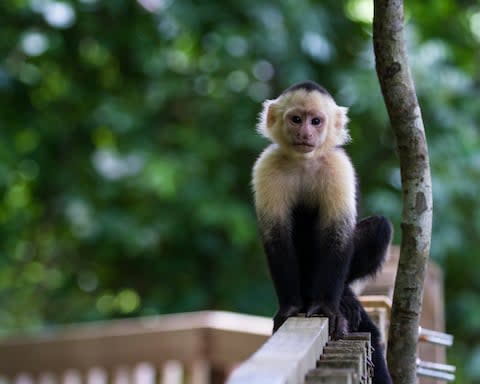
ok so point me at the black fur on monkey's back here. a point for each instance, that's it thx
(306, 198)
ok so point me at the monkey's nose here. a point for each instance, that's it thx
(305, 135)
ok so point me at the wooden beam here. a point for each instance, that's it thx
(287, 356)
(185, 337)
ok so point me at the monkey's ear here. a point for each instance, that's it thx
(272, 114)
(268, 117)
(341, 121)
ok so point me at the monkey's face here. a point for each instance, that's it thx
(305, 128)
(304, 121)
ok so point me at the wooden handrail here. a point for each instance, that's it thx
(221, 338)
(287, 356)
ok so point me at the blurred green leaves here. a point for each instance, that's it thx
(127, 140)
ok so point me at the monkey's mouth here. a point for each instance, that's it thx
(304, 146)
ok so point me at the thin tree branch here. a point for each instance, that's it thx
(406, 120)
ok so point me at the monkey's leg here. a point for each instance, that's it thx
(283, 266)
(351, 308)
(328, 275)
(371, 239)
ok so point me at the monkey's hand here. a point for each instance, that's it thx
(283, 314)
(337, 323)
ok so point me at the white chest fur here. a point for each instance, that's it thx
(326, 181)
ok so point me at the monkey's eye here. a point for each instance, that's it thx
(316, 121)
(296, 119)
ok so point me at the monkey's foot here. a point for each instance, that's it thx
(337, 323)
(341, 327)
(283, 314)
(351, 310)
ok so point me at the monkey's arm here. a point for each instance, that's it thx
(283, 266)
(350, 308)
(275, 188)
(332, 243)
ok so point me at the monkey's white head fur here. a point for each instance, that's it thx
(273, 125)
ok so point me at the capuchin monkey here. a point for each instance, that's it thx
(306, 203)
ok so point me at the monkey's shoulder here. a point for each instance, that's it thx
(275, 182)
(337, 168)
(272, 161)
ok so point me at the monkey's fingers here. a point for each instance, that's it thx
(283, 314)
(340, 329)
(318, 309)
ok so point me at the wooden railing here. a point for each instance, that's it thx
(195, 348)
(287, 356)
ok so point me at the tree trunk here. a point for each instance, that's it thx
(406, 120)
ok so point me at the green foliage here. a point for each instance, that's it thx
(127, 140)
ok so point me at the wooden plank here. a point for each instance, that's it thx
(183, 337)
(230, 347)
(433, 318)
(287, 356)
(377, 301)
(107, 351)
(331, 376)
